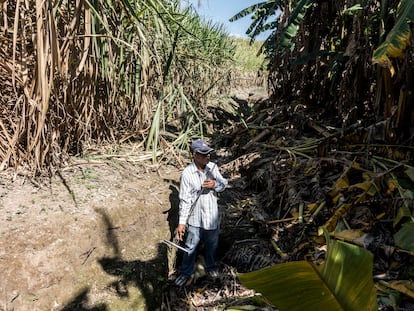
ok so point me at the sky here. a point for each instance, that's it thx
(220, 11)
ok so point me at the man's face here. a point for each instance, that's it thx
(201, 160)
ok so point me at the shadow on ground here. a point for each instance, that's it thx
(80, 303)
(149, 277)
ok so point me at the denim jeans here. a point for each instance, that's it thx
(194, 236)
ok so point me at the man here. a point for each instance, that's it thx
(198, 210)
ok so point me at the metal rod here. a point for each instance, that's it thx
(176, 246)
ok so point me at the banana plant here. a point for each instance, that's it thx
(342, 282)
(261, 12)
(294, 22)
(398, 38)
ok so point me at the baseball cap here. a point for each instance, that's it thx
(200, 146)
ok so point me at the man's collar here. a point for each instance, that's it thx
(195, 168)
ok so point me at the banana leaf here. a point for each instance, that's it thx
(294, 22)
(398, 38)
(261, 12)
(343, 282)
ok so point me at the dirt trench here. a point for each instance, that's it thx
(89, 239)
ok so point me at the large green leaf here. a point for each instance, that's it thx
(294, 22)
(348, 272)
(343, 282)
(399, 36)
(292, 286)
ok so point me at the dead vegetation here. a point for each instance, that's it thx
(332, 147)
(292, 174)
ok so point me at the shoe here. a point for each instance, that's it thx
(213, 274)
(181, 280)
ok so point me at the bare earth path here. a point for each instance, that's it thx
(87, 240)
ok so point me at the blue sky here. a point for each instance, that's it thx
(221, 10)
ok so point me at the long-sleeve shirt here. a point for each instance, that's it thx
(205, 212)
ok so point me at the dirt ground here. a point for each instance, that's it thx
(89, 239)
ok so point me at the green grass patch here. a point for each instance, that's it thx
(247, 55)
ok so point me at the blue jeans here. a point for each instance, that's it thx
(194, 236)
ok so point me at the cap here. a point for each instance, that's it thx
(200, 146)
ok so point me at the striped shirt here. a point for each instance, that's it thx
(205, 212)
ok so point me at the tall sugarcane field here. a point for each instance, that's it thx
(312, 127)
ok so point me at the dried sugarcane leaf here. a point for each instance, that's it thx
(403, 286)
(340, 211)
(348, 235)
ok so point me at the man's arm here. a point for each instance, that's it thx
(220, 181)
(185, 197)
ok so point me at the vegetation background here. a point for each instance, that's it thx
(79, 75)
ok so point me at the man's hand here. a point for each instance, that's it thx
(209, 183)
(179, 232)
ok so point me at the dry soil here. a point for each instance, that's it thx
(87, 239)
